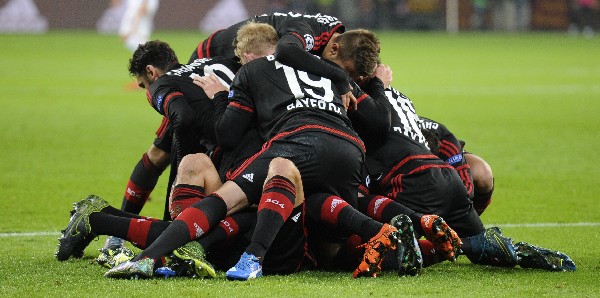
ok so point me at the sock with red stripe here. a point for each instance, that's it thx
(276, 205)
(383, 209)
(229, 229)
(338, 214)
(142, 181)
(140, 232)
(183, 196)
(192, 223)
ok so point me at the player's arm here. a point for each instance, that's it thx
(172, 104)
(233, 113)
(372, 118)
(291, 51)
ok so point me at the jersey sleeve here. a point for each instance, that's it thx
(372, 117)
(234, 121)
(291, 51)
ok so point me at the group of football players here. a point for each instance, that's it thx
(289, 150)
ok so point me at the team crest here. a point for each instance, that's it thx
(310, 41)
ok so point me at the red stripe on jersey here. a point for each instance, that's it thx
(160, 132)
(231, 175)
(195, 220)
(300, 38)
(376, 206)
(425, 167)
(331, 208)
(168, 99)
(363, 190)
(467, 180)
(358, 100)
(241, 107)
(404, 161)
(444, 151)
(450, 147)
(208, 42)
(230, 226)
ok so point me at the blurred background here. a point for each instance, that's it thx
(573, 16)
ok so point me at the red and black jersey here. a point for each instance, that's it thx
(450, 150)
(405, 148)
(280, 99)
(313, 31)
(189, 110)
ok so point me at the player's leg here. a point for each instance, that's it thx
(282, 192)
(483, 179)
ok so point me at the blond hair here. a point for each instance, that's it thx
(255, 38)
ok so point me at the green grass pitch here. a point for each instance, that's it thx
(528, 103)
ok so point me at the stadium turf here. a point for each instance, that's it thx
(527, 103)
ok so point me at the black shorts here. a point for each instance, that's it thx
(437, 190)
(164, 136)
(327, 164)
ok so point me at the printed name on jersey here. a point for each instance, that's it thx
(188, 68)
(455, 159)
(428, 124)
(310, 41)
(314, 103)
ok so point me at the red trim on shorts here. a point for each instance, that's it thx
(232, 174)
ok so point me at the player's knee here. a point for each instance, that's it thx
(158, 157)
(192, 165)
(283, 167)
(483, 178)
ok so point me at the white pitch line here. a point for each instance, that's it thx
(507, 225)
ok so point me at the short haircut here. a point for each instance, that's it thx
(362, 47)
(156, 53)
(255, 38)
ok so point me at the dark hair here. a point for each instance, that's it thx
(362, 47)
(156, 53)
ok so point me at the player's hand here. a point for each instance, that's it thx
(349, 100)
(384, 73)
(210, 84)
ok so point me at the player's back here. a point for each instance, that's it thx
(404, 138)
(285, 98)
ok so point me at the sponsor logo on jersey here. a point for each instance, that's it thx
(335, 203)
(199, 231)
(455, 159)
(310, 41)
(249, 177)
(276, 202)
